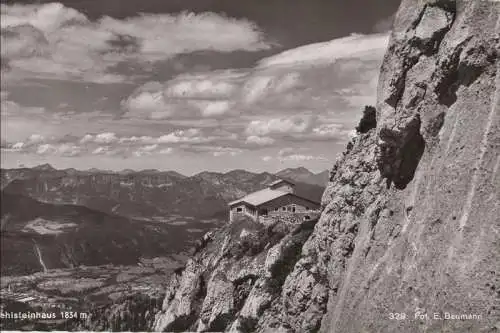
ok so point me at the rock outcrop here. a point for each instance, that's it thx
(235, 276)
(409, 232)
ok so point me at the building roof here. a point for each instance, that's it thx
(260, 197)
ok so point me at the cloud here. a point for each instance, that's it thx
(166, 151)
(185, 96)
(109, 143)
(367, 47)
(216, 151)
(191, 135)
(223, 151)
(208, 85)
(313, 79)
(279, 125)
(11, 108)
(102, 138)
(147, 102)
(106, 138)
(327, 130)
(66, 150)
(300, 97)
(212, 108)
(289, 154)
(259, 141)
(262, 84)
(36, 138)
(146, 150)
(101, 150)
(299, 157)
(39, 40)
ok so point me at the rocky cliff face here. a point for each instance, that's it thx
(235, 275)
(410, 215)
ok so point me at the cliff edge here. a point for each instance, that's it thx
(409, 232)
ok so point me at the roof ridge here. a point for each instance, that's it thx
(258, 197)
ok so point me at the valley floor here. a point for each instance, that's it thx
(80, 290)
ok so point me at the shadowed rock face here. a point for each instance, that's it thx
(410, 214)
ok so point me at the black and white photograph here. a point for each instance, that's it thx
(267, 166)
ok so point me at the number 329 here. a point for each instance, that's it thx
(397, 316)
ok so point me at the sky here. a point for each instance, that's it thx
(187, 85)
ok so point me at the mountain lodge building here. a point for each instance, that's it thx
(278, 199)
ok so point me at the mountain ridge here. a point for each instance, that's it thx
(144, 193)
(49, 167)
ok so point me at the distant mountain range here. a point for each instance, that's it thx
(303, 175)
(65, 218)
(148, 193)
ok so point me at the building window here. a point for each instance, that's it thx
(276, 209)
(283, 209)
(293, 208)
(239, 209)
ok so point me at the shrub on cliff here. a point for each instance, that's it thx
(368, 121)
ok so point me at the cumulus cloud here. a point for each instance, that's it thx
(312, 93)
(109, 143)
(212, 108)
(147, 101)
(39, 40)
(36, 138)
(67, 150)
(106, 138)
(101, 150)
(166, 151)
(192, 135)
(327, 130)
(296, 124)
(45, 148)
(259, 141)
(185, 96)
(289, 154)
(222, 151)
(208, 85)
(339, 74)
(146, 150)
(299, 157)
(102, 138)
